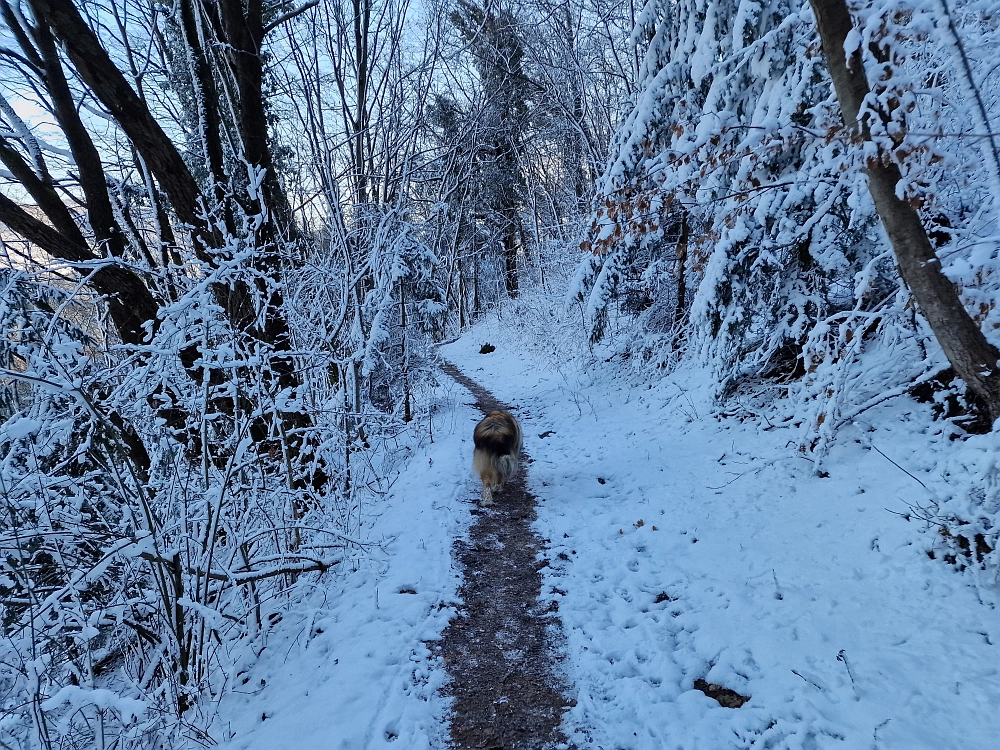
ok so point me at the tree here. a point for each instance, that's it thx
(494, 38)
(266, 225)
(970, 354)
(195, 384)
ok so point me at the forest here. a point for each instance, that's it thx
(235, 233)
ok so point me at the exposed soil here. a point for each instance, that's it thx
(727, 698)
(501, 648)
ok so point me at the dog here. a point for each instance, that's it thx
(497, 453)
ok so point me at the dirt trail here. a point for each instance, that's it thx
(500, 649)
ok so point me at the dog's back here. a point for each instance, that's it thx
(498, 434)
(498, 445)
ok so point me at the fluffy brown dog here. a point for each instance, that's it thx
(498, 447)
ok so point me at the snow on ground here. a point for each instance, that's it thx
(684, 547)
(348, 668)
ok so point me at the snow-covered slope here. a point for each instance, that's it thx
(683, 547)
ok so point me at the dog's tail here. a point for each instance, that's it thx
(505, 466)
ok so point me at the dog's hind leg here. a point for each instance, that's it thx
(487, 496)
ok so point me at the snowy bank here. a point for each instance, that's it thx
(687, 547)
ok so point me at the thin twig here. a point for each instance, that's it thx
(875, 448)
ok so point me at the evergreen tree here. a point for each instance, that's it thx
(494, 39)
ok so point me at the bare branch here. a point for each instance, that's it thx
(289, 16)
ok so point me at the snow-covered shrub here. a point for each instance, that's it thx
(152, 521)
(786, 276)
(736, 134)
(401, 313)
(733, 138)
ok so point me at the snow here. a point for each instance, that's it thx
(810, 594)
(772, 571)
(103, 699)
(349, 667)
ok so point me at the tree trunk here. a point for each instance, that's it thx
(681, 253)
(404, 354)
(243, 26)
(510, 251)
(207, 101)
(475, 281)
(129, 301)
(965, 346)
(462, 294)
(97, 70)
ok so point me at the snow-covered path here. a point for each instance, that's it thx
(501, 647)
(681, 547)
